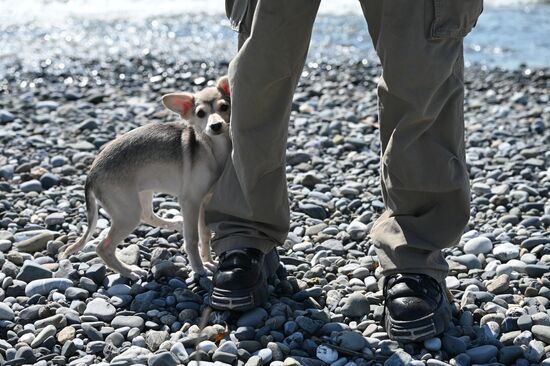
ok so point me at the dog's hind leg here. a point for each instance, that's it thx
(191, 213)
(91, 213)
(205, 236)
(125, 218)
(150, 218)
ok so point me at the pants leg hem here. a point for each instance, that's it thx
(438, 275)
(240, 242)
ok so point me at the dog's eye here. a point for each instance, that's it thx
(224, 107)
(201, 113)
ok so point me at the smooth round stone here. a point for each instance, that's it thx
(516, 265)
(5, 245)
(492, 329)
(432, 362)
(229, 347)
(7, 172)
(506, 251)
(541, 319)
(432, 344)
(115, 338)
(253, 318)
(56, 218)
(541, 332)
(326, 354)
(76, 293)
(398, 358)
(45, 333)
(536, 270)
(35, 243)
(529, 258)
(95, 347)
(119, 289)
(499, 285)
(534, 351)
(31, 186)
(6, 313)
(58, 160)
(357, 230)
(96, 272)
(179, 351)
(132, 356)
(132, 332)
(453, 345)
(469, 260)
(482, 354)
(312, 210)
(351, 340)
(6, 117)
(44, 286)
(452, 282)
(507, 355)
(129, 254)
(505, 268)
(247, 333)
(480, 188)
(371, 283)
(207, 346)
(155, 338)
(25, 353)
(139, 341)
(302, 247)
(523, 338)
(162, 359)
(266, 355)
(66, 334)
(355, 305)
(31, 271)
(478, 245)
(361, 273)
(525, 322)
(101, 309)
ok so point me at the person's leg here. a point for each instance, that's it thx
(249, 207)
(423, 171)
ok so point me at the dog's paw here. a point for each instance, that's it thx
(212, 266)
(135, 273)
(200, 272)
(63, 255)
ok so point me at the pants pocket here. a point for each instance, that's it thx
(239, 13)
(454, 18)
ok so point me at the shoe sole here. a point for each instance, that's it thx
(420, 329)
(247, 298)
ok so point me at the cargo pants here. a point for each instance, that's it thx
(424, 177)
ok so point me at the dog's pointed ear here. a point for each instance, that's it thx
(223, 85)
(181, 103)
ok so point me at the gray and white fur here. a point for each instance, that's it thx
(181, 159)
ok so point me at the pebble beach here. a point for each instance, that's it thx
(68, 88)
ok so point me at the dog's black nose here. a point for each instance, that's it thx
(216, 127)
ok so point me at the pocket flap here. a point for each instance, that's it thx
(236, 11)
(455, 18)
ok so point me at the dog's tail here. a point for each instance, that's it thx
(91, 214)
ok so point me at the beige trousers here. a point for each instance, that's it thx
(421, 92)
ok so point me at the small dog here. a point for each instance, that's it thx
(184, 160)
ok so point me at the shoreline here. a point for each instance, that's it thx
(504, 37)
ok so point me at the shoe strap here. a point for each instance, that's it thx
(411, 285)
(237, 258)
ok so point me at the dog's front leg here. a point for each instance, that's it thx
(205, 236)
(191, 211)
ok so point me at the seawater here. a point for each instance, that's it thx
(508, 33)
